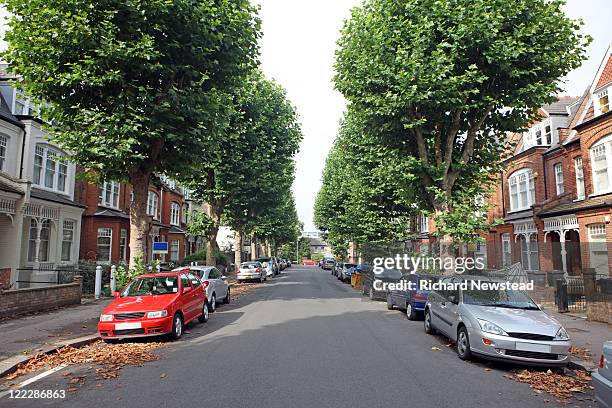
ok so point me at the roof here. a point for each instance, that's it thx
(107, 212)
(5, 113)
(560, 106)
(5, 186)
(571, 206)
(176, 230)
(54, 197)
(317, 242)
(519, 215)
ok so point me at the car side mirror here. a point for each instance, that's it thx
(187, 290)
(116, 294)
(453, 299)
(224, 277)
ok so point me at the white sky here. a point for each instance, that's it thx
(298, 51)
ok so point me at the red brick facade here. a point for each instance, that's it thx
(106, 224)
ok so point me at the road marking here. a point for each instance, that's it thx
(34, 379)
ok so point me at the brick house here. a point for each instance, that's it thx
(555, 196)
(106, 223)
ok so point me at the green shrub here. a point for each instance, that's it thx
(317, 257)
(199, 257)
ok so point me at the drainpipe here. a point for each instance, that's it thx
(545, 175)
(23, 143)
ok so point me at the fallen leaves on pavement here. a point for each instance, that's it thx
(581, 352)
(561, 386)
(110, 357)
(239, 289)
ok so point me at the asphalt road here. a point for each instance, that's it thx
(301, 340)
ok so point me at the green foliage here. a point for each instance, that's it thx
(437, 84)
(199, 257)
(125, 275)
(316, 257)
(222, 258)
(287, 250)
(199, 223)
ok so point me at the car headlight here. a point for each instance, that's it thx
(488, 327)
(156, 314)
(561, 334)
(106, 318)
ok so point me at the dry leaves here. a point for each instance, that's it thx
(239, 289)
(581, 352)
(111, 358)
(560, 386)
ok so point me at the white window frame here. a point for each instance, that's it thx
(19, 97)
(3, 150)
(43, 249)
(109, 194)
(174, 250)
(105, 232)
(599, 109)
(520, 183)
(558, 168)
(598, 248)
(185, 214)
(123, 244)
(506, 254)
(68, 226)
(50, 162)
(152, 204)
(424, 223)
(579, 171)
(546, 136)
(603, 149)
(175, 213)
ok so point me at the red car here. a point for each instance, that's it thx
(310, 263)
(153, 305)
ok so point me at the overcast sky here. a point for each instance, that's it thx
(298, 51)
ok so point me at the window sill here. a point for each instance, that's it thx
(609, 191)
(520, 210)
(51, 190)
(108, 206)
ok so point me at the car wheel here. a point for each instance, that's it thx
(410, 312)
(371, 293)
(463, 344)
(429, 329)
(228, 297)
(389, 303)
(204, 316)
(177, 326)
(213, 303)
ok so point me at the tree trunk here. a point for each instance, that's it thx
(446, 245)
(139, 221)
(268, 248)
(238, 249)
(212, 247)
(253, 247)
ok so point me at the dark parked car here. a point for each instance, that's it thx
(372, 283)
(344, 274)
(337, 267)
(328, 263)
(412, 300)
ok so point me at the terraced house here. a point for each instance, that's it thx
(39, 220)
(555, 196)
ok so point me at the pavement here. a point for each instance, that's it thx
(303, 339)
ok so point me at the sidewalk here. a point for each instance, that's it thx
(584, 334)
(29, 334)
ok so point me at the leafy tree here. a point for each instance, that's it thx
(440, 82)
(131, 87)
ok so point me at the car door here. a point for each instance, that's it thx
(223, 285)
(435, 305)
(188, 299)
(199, 292)
(214, 277)
(448, 310)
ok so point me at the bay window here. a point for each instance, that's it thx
(3, 144)
(540, 134)
(601, 156)
(559, 178)
(506, 250)
(104, 244)
(175, 211)
(424, 221)
(185, 214)
(152, 204)
(50, 172)
(67, 240)
(522, 190)
(123, 244)
(603, 102)
(43, 248)
(579, 178)
(174, 250)
(109, 194)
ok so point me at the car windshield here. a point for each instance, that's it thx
(512, 299)
(263, 259)
(150, 286)
(348, 265)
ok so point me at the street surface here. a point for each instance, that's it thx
(301, 340)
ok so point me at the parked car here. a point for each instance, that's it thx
(496, 324)
(411, 300)
(155, 304)
(602, 378)
(289, 263)
(336, 268)
(268, 264)
(252, 270)
(386, 276)
(215, 284)
(328, 263)
(347, 270)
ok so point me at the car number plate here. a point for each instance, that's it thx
(125, 326)
(539, 348)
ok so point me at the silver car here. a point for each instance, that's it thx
(216, 285)
(252, 270)
(602, 378)
(497, 324)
